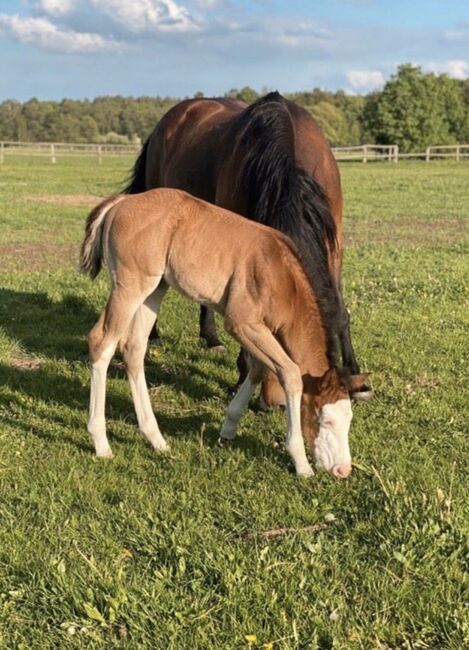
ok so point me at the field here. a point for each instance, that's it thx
(171, 552)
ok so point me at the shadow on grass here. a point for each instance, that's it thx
(56, 331)
(53, 390)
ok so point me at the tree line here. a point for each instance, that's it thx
(415, 109)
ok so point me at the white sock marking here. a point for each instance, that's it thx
(294, 443)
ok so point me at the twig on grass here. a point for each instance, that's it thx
(380, 480)
(278, 532)
(88, 561)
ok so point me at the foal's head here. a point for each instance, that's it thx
(327, 415)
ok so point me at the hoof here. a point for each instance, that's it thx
(364, 395)
(162, 449)
(107, 455)
(217, 348)
(305, 472)
(225, 442)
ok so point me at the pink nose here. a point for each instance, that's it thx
(342, 471)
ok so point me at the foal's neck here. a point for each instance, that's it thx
(305, 336)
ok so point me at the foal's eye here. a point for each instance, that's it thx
(327, 423)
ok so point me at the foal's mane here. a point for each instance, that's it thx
(282, 195)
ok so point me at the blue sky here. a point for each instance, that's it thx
(52, 49)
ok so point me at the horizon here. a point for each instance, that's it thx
(84, 49)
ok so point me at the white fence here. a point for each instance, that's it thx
(367, 152)
(362, 153)
(54, 150)
(374, 152)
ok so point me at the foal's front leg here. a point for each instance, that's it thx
(259, 341)
(240, 402)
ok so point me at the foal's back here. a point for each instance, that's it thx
(203, 251)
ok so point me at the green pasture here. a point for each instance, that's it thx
(171, 552)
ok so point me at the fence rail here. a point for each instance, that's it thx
(362, 153)
(53, 150)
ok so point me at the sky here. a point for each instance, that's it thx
(51, 49)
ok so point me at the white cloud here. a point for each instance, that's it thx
(44, 34)
(456, 68)
(456, 35)
(141, 16)
(55, 7)
(365, 79)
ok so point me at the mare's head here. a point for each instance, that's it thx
(326, 418)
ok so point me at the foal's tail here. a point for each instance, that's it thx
(91, 254)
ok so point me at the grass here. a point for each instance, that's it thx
(163, 551)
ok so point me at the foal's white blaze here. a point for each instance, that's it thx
(332, 445)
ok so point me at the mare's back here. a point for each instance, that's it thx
(185, 148)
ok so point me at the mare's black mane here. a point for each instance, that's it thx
(282, 195)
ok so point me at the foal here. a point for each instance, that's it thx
(251, 275)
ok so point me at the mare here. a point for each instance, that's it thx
(271, 163)
(253, 277)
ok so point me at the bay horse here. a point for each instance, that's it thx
(250, 274)
(271, 163)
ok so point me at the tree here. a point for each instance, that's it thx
(246, 94)
(416, 110)
(332, 122)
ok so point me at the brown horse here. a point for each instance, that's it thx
(271, 163)
(252, 276)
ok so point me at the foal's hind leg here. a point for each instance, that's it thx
(259, 341)
(103, 340)
(133, 348)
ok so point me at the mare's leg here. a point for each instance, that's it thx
(243, 368)
(155, 334)
(345, 339)
(208, 330)
(257, 339)
(240, 402)
(272, 394)
(103, 339)
(134, 346)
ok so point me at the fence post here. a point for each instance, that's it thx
(396, 153)
(458, 153)
(427, 154)
(1, 153)
(52, 154)
(100, 160)
(365, 153)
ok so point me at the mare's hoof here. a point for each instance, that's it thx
(365, 394)
(225, 442)
(217, 348)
